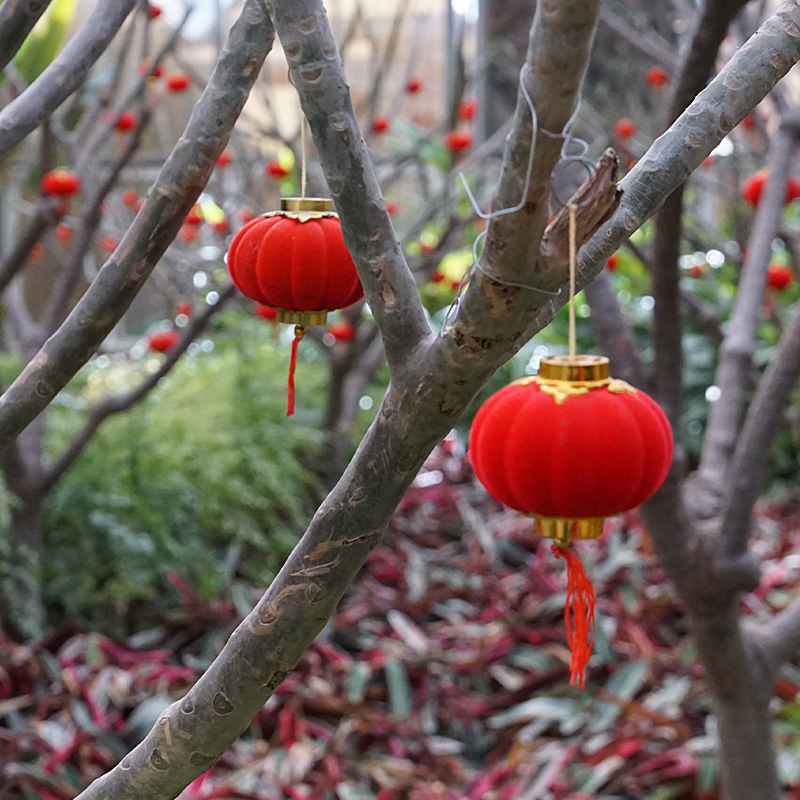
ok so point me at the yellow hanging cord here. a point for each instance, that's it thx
(572, 209)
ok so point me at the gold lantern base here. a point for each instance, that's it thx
(304, 318)
(562, 530)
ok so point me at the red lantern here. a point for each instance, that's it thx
(275, 170)
(380, 124)
(779, 277)
(126, 121)
(624, 128)
(414, 85)
(753, 188)
(129, 198)
(224, 159)
(613, 262)
(467, 109)
(163, 341)
(570, 447)
(457, 142)
(194, 217)
(295, 260)
(178, 82)
(656, 77)
(60, 182)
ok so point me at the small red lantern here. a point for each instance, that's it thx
(613, 262)
(342, 331)
(624, 128)
(458, 142)
(162, 341)
(380, 124)
(129, 198)
(154, 12)
(570, 447)
(414, 85)
(183, 309)
(60, 182)
(656, 77)
(275, 170)
(224, 159)
(63, 233)
(779, 277)
(467, 109)
(178, 82)
(753, 188)
(108, 244)
(295, 260)
(126, 121)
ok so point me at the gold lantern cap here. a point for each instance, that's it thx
(301, 317)
(573, 368)
(306, 204)
(563, 530)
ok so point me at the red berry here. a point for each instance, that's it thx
(458, 142)
(60, 182)
(126, 122)
(414, 85)
(37, 251)
(467, 109)
(153, 11)
(779, 277)
(178, 82)
(63, 233)
(613, 262)
(656, 77)
(392, 207)
(436, 276)
(624, 128)
(162, 341)
(223, 227)
(224, 159)
(275, 170)
(380, 124)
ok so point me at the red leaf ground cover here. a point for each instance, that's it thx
(443, 674)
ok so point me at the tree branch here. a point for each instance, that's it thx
(317, 73)
(649, 43)
(17, 18)
(762, 422)
(177, 187)
(779, 639)
(735, 355)
(116, 405)
(64, 75)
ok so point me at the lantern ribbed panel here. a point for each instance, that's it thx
(593, 455)
(283, 263)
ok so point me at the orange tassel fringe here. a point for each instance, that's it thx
(299, 333)
(580, 595)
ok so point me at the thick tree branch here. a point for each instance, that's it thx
(109, 406)
(735, 356)
(695, 70)
(177, 187)
(762, 422)
(64, 75)
(316, 70)
(17, 18)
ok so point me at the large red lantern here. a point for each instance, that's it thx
(295, 261)
(570, 447)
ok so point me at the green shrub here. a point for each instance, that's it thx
(205, 477)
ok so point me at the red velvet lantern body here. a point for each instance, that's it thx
(571, 446)
(295, 260)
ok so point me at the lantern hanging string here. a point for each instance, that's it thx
(572, 254)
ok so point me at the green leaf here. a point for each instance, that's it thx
(44, 41)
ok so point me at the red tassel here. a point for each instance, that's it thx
(299, 333)
(580, 595)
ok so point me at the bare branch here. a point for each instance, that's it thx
(177, 187)
(779, 639)
(17, 18)
(64, 75)
(117, 405)
(44, 217)
(735, 356)
(318, 75)
(762, 422)
(649, 43)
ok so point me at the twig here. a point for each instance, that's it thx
(779, 639)
(317, 73)
(648, 43)
(177, 187)
(17, 18)
(735, 356)
(117, 405)
(64, 75)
